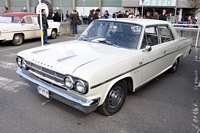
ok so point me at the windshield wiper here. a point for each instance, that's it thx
(108, 42)
(83, 39)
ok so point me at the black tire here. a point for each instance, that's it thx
(114, 100)
(79, 22)
(174, 67)
(53, 34)
(18, 39)
(50, 8)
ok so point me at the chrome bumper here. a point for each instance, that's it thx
(86, 105)
(2, 39)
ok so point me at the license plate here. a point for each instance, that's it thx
(43, 91)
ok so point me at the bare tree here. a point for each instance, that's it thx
(194, 5)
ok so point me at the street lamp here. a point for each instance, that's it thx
(142, 8)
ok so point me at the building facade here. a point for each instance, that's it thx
(84, 6)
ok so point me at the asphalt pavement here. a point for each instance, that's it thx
(168, 104)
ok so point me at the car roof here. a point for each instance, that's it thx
(144, 22)
(20, 14)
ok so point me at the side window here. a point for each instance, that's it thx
(28, 20)
(152, 36)
(16, 20)
(165, 34)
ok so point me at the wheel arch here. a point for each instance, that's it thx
(128, 81)
(19, 33)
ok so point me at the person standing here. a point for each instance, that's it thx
(155, 15)
(137, 15)
(6, 10)
(170, 18)
(163, 16)
(45, 26)
(106, 14)
(56, 17)
(74, 16)
(91, 17)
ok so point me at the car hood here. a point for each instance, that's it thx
(66, 57)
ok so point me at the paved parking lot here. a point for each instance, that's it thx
(168, 104)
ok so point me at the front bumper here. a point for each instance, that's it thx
(2, 39)
(86, 105)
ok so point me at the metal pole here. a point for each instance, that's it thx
(83, 7)
(60, 11)
(142, 8)
(175, 11)
(41, 28)
(197, 36)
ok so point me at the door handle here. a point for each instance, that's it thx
(164, 51)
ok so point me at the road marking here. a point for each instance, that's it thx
(6, 65)
(195, 110)
(16, 47)
(45, 102)
(10, 55)
(11, 85)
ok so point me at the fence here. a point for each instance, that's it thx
(189, 30)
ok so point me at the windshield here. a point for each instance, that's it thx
(118, 34)
(9, 19)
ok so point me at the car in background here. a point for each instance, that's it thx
(20, 26)
(110, 58)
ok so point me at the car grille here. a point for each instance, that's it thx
(45, 73)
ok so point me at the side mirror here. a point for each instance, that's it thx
(147, 48)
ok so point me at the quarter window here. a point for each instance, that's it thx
(165, 34)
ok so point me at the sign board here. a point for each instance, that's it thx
(42, 6)
(159, 3)
(5, 19)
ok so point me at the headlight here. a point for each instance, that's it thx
(69, 82)
(24, 64)
(19, 61)
(81, 86)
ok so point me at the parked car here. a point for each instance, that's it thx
(110, 58)
(20, 26)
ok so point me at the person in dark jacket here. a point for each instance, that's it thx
(106, 14)
(45, 25)
(56, 16)
(97, 12)
(163, 16)
(91, 17)
(74, 16)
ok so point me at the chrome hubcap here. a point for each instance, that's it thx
(53, 34)
(18, 39)
(115, 97)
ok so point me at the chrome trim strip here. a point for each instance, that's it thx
(86, 105)
(2, 39)
(41, 50)
(99, 84)
(64, 58)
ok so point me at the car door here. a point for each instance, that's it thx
(169, 46)
(29, 28)
(151, 63)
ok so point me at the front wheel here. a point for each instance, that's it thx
(174, 68)
(17, 39)
(114, 99)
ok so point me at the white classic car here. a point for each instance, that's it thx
(19, 26)
(109, 58)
